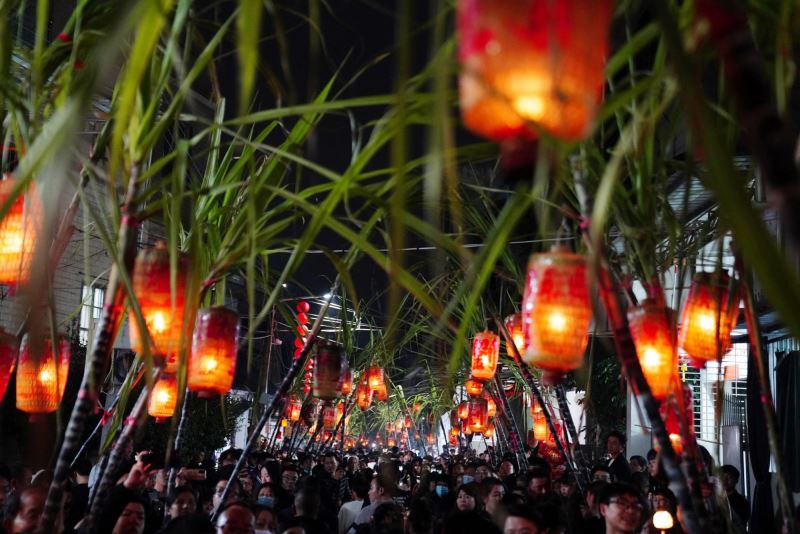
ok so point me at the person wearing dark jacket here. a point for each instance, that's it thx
(617, 463)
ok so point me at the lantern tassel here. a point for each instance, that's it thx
(297, 365)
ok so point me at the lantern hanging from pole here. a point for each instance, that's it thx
(430, 439)
(492, 406)
(514, 325)
(532, 62)
(340, 412)
(19, 229)
(463, 411)
(473, 387)
(347, 382)
(708, 318)
(468, 430)
(164, 398)
(455, 431)
(485, 352)
(327, 378)
(408, 422)
(391, 442)
(453, 440)
(375, 376)
(293, 408)
(41, 376)
(381, 393)
(363, 395)
(652, 335)
(390, 427)
(477, 415)
(541, 431)
(398, 425)
(328, 415)
(9, 351)
(162, 314)
(215, 343)
(556, 312)
(489, 432)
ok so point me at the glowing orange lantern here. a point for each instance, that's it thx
(164, 397)
(652, 335)
(162, 313)
(538, 62)
(477, 415)
(708, 318)
(375, 376)
(541, 431)
(453, 440)
(328, 415)
(516, 330)
(340, 412)
(556, 312)
(492, 406)
(398, 425)
(381, 393)
(284, 422)
(8, 360)
(468, 431)
(347, 382)
(408, 422)
(473, 387)
(328, 365)
(294, 406)
(391, 442)
(41, 379)
(489, 432)
(390, 427)
(363, 395)
(19, 229)
(214, 346)
(485, 351)
(463, 411)
(417, 407)
(454, 432)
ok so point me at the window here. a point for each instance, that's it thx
(91, 306)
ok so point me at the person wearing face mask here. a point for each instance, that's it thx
(266, 496)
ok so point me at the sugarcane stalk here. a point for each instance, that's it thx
(116, 457)
(626, 354)
(283, 388)
(771, 420)
(176, 446)
(102, 345)
(513, 429)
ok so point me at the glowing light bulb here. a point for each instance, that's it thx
(557, 321)
(707, 322)
(163, 396)
(210, 363)
(46, 375)
(662, 519)
(159, 321)
(651, 357)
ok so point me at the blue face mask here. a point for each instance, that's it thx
(265, 501)
(466, 479)
(441, 491)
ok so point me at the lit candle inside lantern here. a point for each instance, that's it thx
(164, 398)
(485, 353)
(215, 342)
(652, 335)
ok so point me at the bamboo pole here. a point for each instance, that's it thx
(297, 365)
(513, 430)
(102, 346)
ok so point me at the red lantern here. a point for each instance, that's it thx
(468, 430)
(19, 230)
(532, 62)
(708, 318)
(398, 425)
(41, 379)
(381, 393)
(489, 432)
(390, 427)
(453, 440)
(164, 398)
(293, 408)
(328, 371)
(463, 411)
(485, 351)
(477, 415)
(363, 395)
(214, 346)
(8, 360)
(474, 387)
(541, 431)
(652, 334)
(328, 416)
(375, 376)
(516, 330)
(302, 307)
(417, 407)
(162, 314)
(340, 412)
(430, 439)
(347, 382)
(556, 312)
(492, 406)
(454, 432)
(408, 422)
(391, 442)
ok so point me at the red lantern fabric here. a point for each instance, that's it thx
(556, 311)
(485, 353)
(302, 307)
(652, 335)
(328, 366)
(489, 432)
(527, 62)
(473, 387)
(8, 360)
(381, 393)
(41, 379)
(164, 397)
(516, 330)
(293, 408)
(347, 382)
(215, 343)
(162, 315)
(477, 415)
(706, 322)
(375, 376)
(492, 406)
(328, 416)
(363, 395)
(463, 411)
(541, 431)
(430, 439)
(19, 230)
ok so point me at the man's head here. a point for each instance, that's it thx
(652, 462)
(493, 492)
(621, 507)
(481, 472)
(307, 500)
(615, 443)
(289, 477)
(538, 483)
(236, 518)
(523, 519)
(381, 489)
(229, 456)
(132, 519)
(26, 508)
(506, 468)
(729, 477)
(600, 472)
(638, 464)
(330, 463)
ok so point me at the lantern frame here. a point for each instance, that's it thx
(485, 355)
(708, 317)
(163, 398)
(215, 344)
(41, 376)
(329, 362)
(654, 339)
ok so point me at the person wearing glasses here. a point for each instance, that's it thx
(622, 508)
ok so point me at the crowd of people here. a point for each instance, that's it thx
(364, 491)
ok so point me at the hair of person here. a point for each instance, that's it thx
(731, 471)
(538, 472)
(596, 487)
(420, 516)
(489, 482)
(615, 489)
(189, 524)
(469, 522)
(242, 504)
(472, 489)
(386, 483)
(665, 492)
(525, 511)
(82, 467)
(600, 467)
(360, 486)
(388, 513)
(289, 467)
(307, 498)
(174, 494)
(637, 458)
(619, 435)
